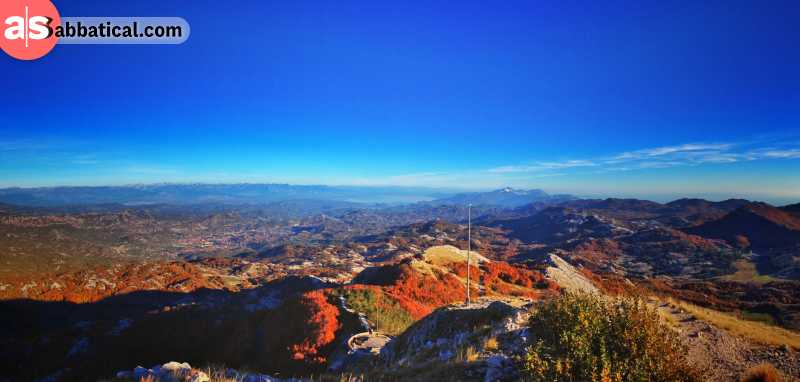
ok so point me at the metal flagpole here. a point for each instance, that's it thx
(469, 248)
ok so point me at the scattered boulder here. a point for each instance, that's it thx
(459, 333)
(168, 372)
(183, 372)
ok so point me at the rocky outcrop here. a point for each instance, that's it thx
(486, 336)
(168, 372)
(183, 372)
(567, 277)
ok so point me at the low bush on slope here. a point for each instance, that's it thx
(588, 338)
(381, 310)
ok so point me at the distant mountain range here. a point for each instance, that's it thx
(506, 197)
(403, 203)
(185, 194)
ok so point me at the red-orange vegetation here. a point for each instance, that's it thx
(322, 322)
(420, 294)
(742, 241)
(92, 285)
(775, 215)
(598, 251)
(611, 284)
(764, 372)
(697, 241)
(503, 271)
(500, 277)
(460, 269)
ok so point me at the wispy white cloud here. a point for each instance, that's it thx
(684, 149)
(689, 154)
(540, 166)
(782, 154)
(568, 164)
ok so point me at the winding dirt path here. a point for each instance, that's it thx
(724, 356)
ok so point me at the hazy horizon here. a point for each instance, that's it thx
(411, 190)
(624, 99)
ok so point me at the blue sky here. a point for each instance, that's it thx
(630, 99)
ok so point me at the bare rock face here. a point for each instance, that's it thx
(448, 334)
(168, 372)
(183, 372)
(567, 277)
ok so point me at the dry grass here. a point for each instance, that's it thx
(756, 331)
(467, 354)
(764, 372)
(491, 344)
(447, 254)
(671, 320)
(746, 272)
(471, 354)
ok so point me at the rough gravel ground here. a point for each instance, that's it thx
(725, 356)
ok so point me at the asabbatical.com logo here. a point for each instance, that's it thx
(30, 29)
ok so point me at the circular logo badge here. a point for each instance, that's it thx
(27, 28)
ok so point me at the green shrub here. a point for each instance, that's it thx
(381, 309)
(587, 338)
